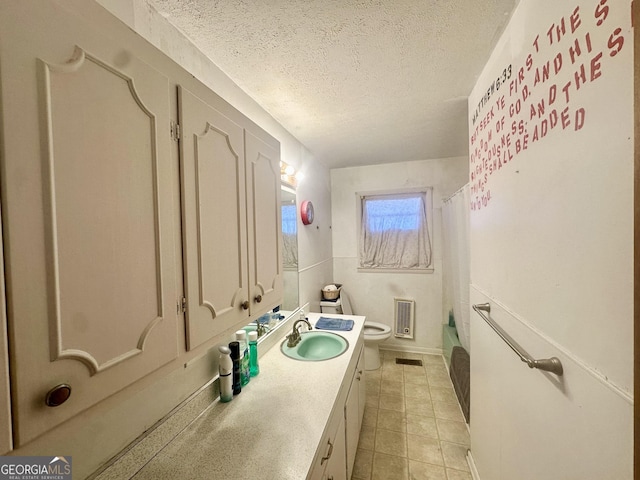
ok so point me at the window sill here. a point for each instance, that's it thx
(395, 270)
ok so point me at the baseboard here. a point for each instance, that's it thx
(472, 466)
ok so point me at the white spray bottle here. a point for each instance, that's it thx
(225, 368)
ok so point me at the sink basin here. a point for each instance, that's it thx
(315, 346)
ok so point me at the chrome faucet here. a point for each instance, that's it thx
(293, 338)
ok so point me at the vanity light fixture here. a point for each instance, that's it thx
(288, 174)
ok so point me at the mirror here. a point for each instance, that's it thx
(269, 321)
(289, 249)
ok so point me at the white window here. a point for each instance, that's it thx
(394, 231)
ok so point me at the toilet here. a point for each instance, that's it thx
(374, 333)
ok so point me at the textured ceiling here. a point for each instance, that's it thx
(358, 82)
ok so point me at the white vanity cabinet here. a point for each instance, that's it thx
(231, 220)
(337, 451)
(87, 182)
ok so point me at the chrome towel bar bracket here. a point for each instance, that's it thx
(552, 364)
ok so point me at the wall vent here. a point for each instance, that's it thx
(404, 316)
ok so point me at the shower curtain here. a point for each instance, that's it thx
(455, 219)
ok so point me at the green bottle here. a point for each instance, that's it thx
(254, 368)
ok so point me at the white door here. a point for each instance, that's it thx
(214, 220)
(89, 241)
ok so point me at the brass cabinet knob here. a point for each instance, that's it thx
(245, 305)
(258, 298)
(58, 395)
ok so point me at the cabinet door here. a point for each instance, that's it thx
(336, 469)
(330, 457)
(353, 412)
(214, 220)
(89, 237)
(5, 403)
(362, 389)
(265, 224)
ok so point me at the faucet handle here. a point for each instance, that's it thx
(293, 339)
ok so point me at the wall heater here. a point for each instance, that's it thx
(404, 317)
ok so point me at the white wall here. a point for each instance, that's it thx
(552, 244)
(372, 294)
(314, 241)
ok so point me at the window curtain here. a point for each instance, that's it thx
(395, 232)
(455, 219)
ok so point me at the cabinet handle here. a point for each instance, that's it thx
(57, 395)
(245, 305)
(258, 298)
(328, 453)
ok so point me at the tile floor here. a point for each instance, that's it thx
(413, 428)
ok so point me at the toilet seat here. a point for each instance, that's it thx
(375, 329)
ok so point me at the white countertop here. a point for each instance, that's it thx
(272, 429)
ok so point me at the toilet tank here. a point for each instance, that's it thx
(330, 307)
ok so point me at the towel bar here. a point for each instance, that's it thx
(552, 364)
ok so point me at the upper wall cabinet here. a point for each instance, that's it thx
(89, 219)
(231, 234)
(94, 240)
